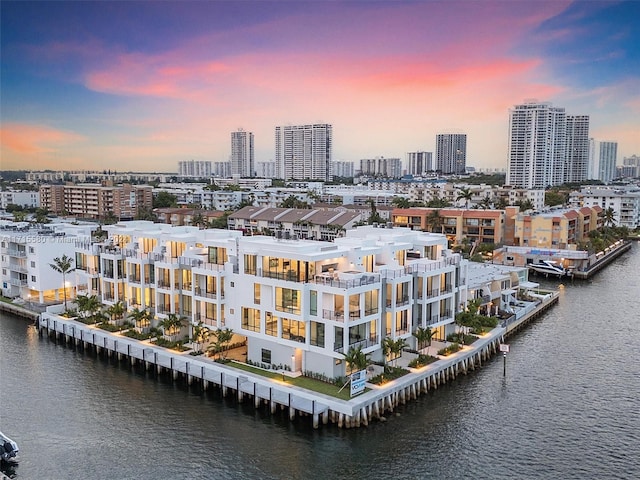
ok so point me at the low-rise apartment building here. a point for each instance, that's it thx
(96, 201)
(299, 303)
(625, 203)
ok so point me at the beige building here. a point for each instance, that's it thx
(96, 201)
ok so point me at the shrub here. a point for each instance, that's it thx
(137, 336)
(453, 348)
(459, 338)
(422, 361)
(390, 373)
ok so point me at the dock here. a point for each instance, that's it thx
(276, 395)
(603, 262)
(19, 311)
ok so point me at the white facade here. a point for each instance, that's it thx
(381, 167)
(301, 303)
(194, 168)
(242, 157)
(26, 257)
(624, 202)
(608, 156)
(537, 143)
(25, 198)
(419, 163)
(266, 169)
(304, 152)
(342, 169)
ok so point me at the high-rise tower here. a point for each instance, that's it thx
(242, 161)
(451, 152)
(304, 152)
(576, 166)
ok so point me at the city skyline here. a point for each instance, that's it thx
(142, 86)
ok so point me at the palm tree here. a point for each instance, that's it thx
(525, 205)
(434, 221)
(388, 345)
(200, 335)
(172, 324)
(355, 359)
(423, 336)
(486, 202)
(116, 311)
(141, 318)
(63, 265)
(223, 337)
(609, 217)
(465, 194)
(88, 305)
(198, 220)
(398, 346)
(401, 202)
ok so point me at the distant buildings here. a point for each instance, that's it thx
(381, 167)
(242, 156)
(546, 147)
(24, 198)
(419, 163)
(221, 169)
(266, 169)
(342, 169)
(607, 158)
(95, 201)
(194, 168)
(625, 202)
(451, 153)
(304, 152)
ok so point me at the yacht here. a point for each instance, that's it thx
(549, 267)
(8, 449)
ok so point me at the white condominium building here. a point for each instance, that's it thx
(304, 152)
(299, 303)
(242, 157)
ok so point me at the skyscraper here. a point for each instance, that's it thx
(577, 152)
(451, 152)
(381, 167)
(242, 161)
(194, 168)
(537, 145)
(419, 163)
(304, 152)
(608, 154)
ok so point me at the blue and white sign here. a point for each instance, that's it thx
(358, 379)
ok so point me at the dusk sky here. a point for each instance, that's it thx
(139, 86)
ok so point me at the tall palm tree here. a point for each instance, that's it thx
(88, 305)
(200, 335)
(423, 336)
(141, 318)
(116, 311)
(525, 205)
(466, 195)
(609, 217)
(63, 265)
(172, 324)
(223, 337)
(355, 359)
(434, 220)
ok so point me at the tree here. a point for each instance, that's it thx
(110, 218)
(198, 220)
(172, 324)
(355, 359)
(401, 202)
(116, 311)
(41, 216)
(434, 221)
(88, 305)
(294, 202)
(141, 318)
(609, 217)
(466, 195)
(502, 203)
(393, 348)
(145, 213)
(223, 337)
(525, 205)
(63, 265)
(486, 202)
(375, 216)
(165, 199)
(555, 197)
(423, 336)
(200, 335)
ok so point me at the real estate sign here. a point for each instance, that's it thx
(358, 379)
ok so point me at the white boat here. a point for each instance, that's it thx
(8, 449)
(549, 267)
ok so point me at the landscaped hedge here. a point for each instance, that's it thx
(390, 373)
(422, 361)
(453, 348)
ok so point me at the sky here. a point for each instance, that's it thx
(140, 86)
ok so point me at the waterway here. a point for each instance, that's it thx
(569, 408)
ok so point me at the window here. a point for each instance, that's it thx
(371, 302)
(293, 330)
(313, 303)
(271, 326)
(251, 319)
(317, 334)
(33, 264)
(288, 300)
(266, 356)
(33, 278)
(217, 255)
(256, 293)
(31, 250)
(250, 263)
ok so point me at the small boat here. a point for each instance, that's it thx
(549, 267)
(8, 449)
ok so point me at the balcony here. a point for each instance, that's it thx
(134, 279)
(332, 315)
(17, 253)
(333, 281)
(18, 268)
(372, 341)
(18, 283)
(163, 308)
(401, 302)
(203, 293)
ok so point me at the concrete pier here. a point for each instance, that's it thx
(299, 403)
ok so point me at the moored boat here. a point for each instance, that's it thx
(8, 449)
(549, 267)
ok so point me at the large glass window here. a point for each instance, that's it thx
(251, 319)
(317, 334)
(288, 300)
(313, 303)
(271, 326)
(371, 302)
(217, 255)
(256, 293)
(250, 264)
(293, 330)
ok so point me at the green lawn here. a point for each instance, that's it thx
(302, 382)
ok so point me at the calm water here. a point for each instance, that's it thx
(568, 408)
